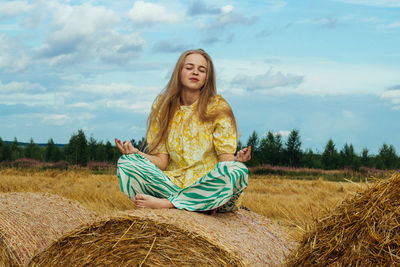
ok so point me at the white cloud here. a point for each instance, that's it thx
(142, 107)
(282, 133)
(227, 16)
(326, 22)
(13, 57)
(113, 89)
(393, 25)
(84, 33)
(81, 105)
(320, 77)
(14, 87)
(339, 78)
(348, 114)
(55, 119)
(227, 9)
(377, 3)
(170, 46)
(392, 95)
(101, 89)
(268, 80)
(199, 7)
(14, 8)
(35, 99)
(276, 5)
(112, 95)
(147, 14)
(120, 49)
(137, 129)
(9, 27)
(373, 19)
(73, 21)
(63, 119)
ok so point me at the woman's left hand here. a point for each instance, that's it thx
(244, 154)
(126, 147)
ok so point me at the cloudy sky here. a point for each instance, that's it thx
(329, 68)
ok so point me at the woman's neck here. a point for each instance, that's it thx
(188, 97)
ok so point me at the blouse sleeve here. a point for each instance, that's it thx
(224, 136)
(154, 128)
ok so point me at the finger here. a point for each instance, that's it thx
(131, 147)
(126, 145)
(119, 145)
(117, 142)
(248, 154)
(240, 157)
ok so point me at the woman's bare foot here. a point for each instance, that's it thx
(147, 201)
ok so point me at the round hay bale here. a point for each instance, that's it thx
(362, 231)
(171, 237)
(29, 222)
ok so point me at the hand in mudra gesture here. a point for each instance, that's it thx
(126, 147)
(244, 154)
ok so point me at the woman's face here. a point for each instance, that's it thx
(194, 72)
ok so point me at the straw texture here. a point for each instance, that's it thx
(171, 237)
(29, 222)
(362, 231)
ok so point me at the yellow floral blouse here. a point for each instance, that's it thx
(193, 146)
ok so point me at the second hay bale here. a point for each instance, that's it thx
(29, 222)
(362, 231)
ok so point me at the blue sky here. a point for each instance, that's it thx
(329, 68)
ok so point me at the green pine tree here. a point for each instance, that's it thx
(330, 156)
(388, 157)
(76, 151)
(293, 149)
(254, 143)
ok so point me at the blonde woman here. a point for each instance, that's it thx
(192, 139)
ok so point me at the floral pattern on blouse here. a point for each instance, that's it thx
(193, 146)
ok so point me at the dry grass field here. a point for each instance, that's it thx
(293, 204)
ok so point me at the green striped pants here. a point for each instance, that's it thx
(220, 188)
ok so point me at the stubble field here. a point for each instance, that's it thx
(293, 204)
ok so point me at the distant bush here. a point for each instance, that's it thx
(28, 163)
(59, 165)
(310, 174)
(101, 167)
(5, 164)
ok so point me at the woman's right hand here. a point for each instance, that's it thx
(126, 147)
(244, 154)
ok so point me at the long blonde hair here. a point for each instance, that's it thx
(168, 100)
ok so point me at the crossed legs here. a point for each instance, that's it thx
(149, 187)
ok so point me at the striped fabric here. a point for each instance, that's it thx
(220, 188)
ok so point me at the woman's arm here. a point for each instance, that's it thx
(160, 160)
(242, 156)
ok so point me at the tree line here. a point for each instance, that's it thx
(272, 149)
(78, 151)
(269, 149)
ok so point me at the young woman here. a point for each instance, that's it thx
(192, 138)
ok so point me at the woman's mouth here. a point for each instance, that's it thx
(194, 79)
